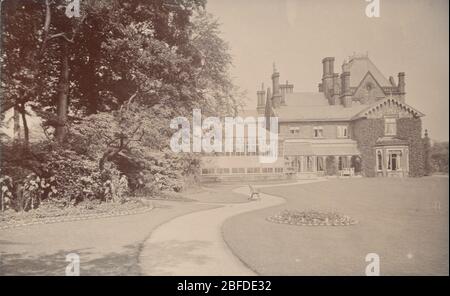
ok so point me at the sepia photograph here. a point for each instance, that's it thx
(221, 138)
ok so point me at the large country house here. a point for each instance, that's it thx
(358, 123)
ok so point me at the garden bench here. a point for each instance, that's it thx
(350, 172)
(253, 192)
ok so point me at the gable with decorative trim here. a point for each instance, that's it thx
(389, 107)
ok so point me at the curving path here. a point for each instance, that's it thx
(193, 244)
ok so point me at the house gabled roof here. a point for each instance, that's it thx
(377, 105)
(358, 66)
(304, 99)
(314, 107)
(364, 79)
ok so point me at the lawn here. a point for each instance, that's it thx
(216, 193)
(108, 246)
(404, 221)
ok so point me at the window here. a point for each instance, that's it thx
(223, 170)
(379, 161)
(318, 132)
(251, 149)
(342, 132)
(390, 126)
(267, 170)
(208, 171)
(296, 163)
(394, 160)
(309, 163)
(343, 163)
(320, 165)
(238, 171)
(294, 130)
(278, 170)
(253, 170)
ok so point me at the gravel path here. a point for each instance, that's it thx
(193, 244)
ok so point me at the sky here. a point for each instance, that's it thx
(410, 36)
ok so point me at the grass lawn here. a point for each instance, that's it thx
(108, 246)
(219, 193)
(404, 221)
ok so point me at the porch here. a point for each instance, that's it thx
(322, 158)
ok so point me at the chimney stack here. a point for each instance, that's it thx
(261, 100)
(345, 89)
(268, 111)
(285, 89)
(327, 77)
(334, 99)
(275, 81)
(277, 98)
(401, 86)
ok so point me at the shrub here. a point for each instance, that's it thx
(6, 187)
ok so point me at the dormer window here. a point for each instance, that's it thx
(390, 126)
(318, 132)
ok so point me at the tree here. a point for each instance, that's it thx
(107, 84)
(427, 154)
(439, 157)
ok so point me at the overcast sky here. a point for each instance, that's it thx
(410, 36)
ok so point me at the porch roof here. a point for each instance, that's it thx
(336, 150)
(297, 148)
(320, 149)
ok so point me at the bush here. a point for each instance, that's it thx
(439, 157)
(6, 187)
(65, 175)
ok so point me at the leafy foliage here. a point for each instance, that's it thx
(6, 186)
(107, 85)
(439, 157)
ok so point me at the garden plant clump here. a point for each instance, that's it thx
(312, 218)
(48, 212)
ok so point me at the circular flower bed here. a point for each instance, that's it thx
(312, 218)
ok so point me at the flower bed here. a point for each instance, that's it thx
(312, 218)
(48, 213)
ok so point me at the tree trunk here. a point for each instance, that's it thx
(26, 131)
(16, 130)
(63, 95)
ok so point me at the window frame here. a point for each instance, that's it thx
(390, 121)
(294, 130)
(398, 159)
(342, 131)
(318, 128)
